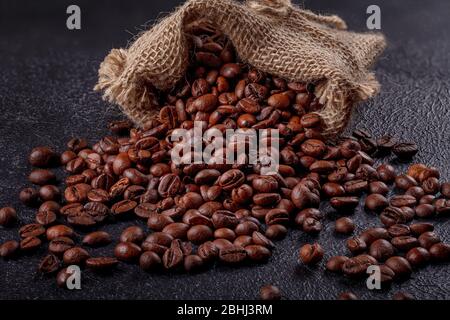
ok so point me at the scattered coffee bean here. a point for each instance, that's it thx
(269, 292)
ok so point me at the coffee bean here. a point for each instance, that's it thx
(440, 251)
(29, 197)
(277, 216)
(431, 185)
(403, 296)
(173, 257)
(8, 216)
(381, 249)
(357, 266)
(257, 252)
(127, 251)
(344, 203)
(400, 266)
(417, 256)
(97, 239)
(200, 233)
(75, 255)
(334, 264)
(376, 202)
(393, 215)
(331, 189)
(276, 231)
(311, 253)
(442, 206)
(9, 248)
(59, 231)
(385, 144)
(386, 173)
(416, 192)
(428, 239)
(347, 296)
(123, 207)
(405, 242)
(42, 157)
(193, 263)
(418, 228)
(371, 234)
(232, 254)
(312, 225)
(208, 251)
(404, 182)
(424, 210)
(387, 275)
(344, 225)
(445, 189)
(31, 230)
(49, 264)
(49, 192)
(132, 234)
(60, 245)
(405, 150)
(269, 293)
(398, 230)
(45, 218)
(30, 243)
(101, 263)
(149, 261)
(41, 177)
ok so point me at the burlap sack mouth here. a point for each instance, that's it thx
(271, 35)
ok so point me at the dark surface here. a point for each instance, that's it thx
(46, 78)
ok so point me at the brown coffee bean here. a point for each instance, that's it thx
(418, 228)
(8, 216)
(424, 210)
(42, 157)
(405, 242)
(49, 264)
(132, 234)
(232, 254)
(356, 245)
(199, 233)
(123, 207)
(403, 296)
(418, 256)
(29, 197)
(276, 232)
(405, 150)
(193, 263)
(372, 234)
(9, 248)
(311, 253)
(376, 202)
(386, 172)
(127, 251)
(277, 216)
(149, 261)
(440, 252)
(445, 190)
(30, 243)
(347, 296)
(393, 215)
(344, 225)
(400, 266)
(312, 225)
(381, 249)
(173, 257)
(344, 203)
(404, 182)
(357, 266)
(101, 263)
(75, 255)
(31, 230)
(97, 239)
(334, 264)
(398, 230)
(59, 245)
(208, 251)
(59, 231)
(269, 293)
(257, 252)
(428, 239)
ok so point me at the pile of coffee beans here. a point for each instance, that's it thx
(202, 213)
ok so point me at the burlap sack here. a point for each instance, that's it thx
(272, 35)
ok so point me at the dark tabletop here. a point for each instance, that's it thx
(46, 78)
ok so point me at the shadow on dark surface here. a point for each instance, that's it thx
(46, 98)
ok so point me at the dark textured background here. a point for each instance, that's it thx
(46, 79)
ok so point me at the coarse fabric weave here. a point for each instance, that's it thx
(271, 35)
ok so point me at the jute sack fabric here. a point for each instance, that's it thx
(271, 35)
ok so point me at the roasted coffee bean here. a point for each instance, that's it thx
(208, 251)
(42, 157)
(331, 189)
(357, 266)
(260, 239)
(400, 266)
(269, 293)
(416, 192)
(31, 230)
(428, 239)
(276, 232)
(404, 182)
(445, 190)
(120, 127)
(59, 231)
(386, 173)
(431, 185)
(313, 147)
(62, 277)
(225, 233)
(427, 199)
(193, 263)
(393, 215)
(246, 228)
(334, 264)
(356, 245)
(75, 255)
(49, 192)
(127, 251)
(149, 261)
(347, 296)
(77, 193)
(371, 234)
(178, 230)
(29, 197)
(417, 256)
(403, 296)
(376, 202)
(97, 239)
(123, 207)
(442, 206)
(9, 248)
(224, 219)
(405, 150)
(312, 225)
(67, 156)
(344, 203)
(173, 257)
(257, 252)
(424, 210)
(30, 243)
(45, 218)
(387, 275)
(440, 251)
(231, 179)
(311, 253)
(77, 144)
(60, 245)
(41, 177)
(349, 148)
(405, 242)
(101, 263)
(8, 216)
(385, 144)
(49, 264)
(232, 254)
(199, 234)
(277, 216)
(132, 234)
(381, 249)
(158, 221)
(398, 230)
(418, 228)
(344, 225)
(169, 185)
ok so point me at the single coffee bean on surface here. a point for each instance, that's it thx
(8, 216)
(311, 253)
(269, 292)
